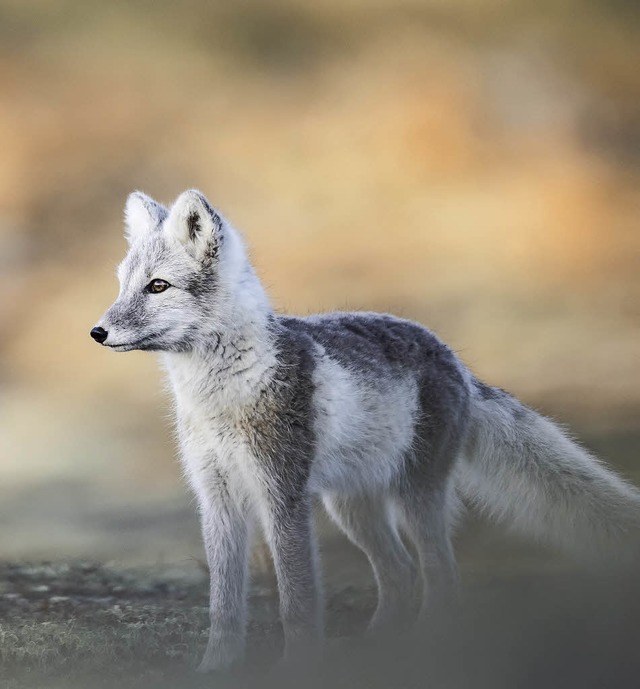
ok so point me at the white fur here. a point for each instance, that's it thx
(527, 473)
(363, 431)
(139, 218)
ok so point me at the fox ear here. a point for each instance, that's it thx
(141, 215)
(194, 223)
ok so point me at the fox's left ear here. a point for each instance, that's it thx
(141, 215)
(194, 223)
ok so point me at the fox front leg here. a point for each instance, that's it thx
(289, 531)
(226, 539)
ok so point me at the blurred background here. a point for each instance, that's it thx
(472, 164)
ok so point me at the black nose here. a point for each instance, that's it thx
(99, 334)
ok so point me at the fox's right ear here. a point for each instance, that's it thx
(193, 222)
(141, 215)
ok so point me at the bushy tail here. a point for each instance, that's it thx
(522, 469)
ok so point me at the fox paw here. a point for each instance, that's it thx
(221, 657)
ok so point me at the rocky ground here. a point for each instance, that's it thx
(526, 619)
(73, 625)
(86, 624)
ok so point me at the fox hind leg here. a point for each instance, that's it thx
(428, 517)
(368, 523)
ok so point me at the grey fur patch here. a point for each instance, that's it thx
(280, 428)
(507, 401)
(374, 344)
(217, 238)
(193, 225)
(379, 347)
(487, 392)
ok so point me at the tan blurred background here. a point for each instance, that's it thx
(473, 164)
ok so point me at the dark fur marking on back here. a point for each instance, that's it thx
(487, 392)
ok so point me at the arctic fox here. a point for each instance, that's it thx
(372, 413)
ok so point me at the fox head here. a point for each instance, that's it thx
(181, 279)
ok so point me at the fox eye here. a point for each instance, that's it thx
(157, 286)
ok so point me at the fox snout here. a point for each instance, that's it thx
(99, 334)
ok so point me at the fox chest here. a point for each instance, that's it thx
(217, 455)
